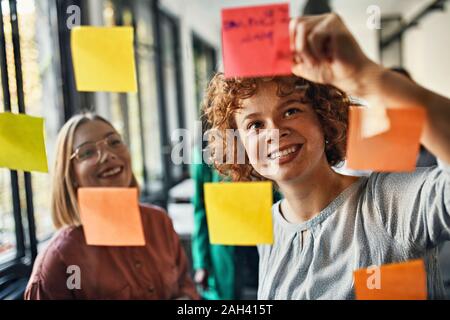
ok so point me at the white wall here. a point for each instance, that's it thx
(426, 51)
(355, 18)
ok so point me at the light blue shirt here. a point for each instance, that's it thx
(380, 219)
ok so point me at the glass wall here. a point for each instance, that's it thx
(205, 66)
(147, 119)
(41, 75)
(123, 109)
(173, 107)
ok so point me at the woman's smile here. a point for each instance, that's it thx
(111, 172)
(285, 154)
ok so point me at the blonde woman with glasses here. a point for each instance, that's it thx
(90, 153)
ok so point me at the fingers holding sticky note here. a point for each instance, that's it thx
(239, 213)
(401, 281)
(111, 216)
(22, 142)
(103, 59)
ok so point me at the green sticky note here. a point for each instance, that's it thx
(239, 213)
(103, 59)
(22, 142)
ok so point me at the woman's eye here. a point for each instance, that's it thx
(291, 112)
(115, 142)
(255, 125)
(86, 153)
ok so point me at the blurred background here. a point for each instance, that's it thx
(177, 50)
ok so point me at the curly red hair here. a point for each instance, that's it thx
(224, 97)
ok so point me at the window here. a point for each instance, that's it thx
(44, 75)
(29, 27)
(205, 66)
(390, 55)
(172, 85)
(147, 119)
(8, 239)
(123, 109)
(148, 93)
(39, 69)
(7, 230)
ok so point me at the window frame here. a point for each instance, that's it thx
(196, 38)
(174, 24)
(15, 272)
(390, 19)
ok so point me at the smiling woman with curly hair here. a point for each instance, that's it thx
(224, 99)
(328, 224)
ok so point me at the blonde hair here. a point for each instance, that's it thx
(64, 194)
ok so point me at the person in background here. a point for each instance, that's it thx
(221, 272)
(91, 153)
(214, 265)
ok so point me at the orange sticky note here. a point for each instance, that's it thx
(111, 216)
(255, 41)
(400, 281)
(393, 150)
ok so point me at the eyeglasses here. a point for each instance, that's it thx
(91, 151)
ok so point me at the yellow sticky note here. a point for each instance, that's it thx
(22, 142)
(239, 213)
(103, 59)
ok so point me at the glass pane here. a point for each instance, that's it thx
(7, 224)
(42, 98)
(170, 86)
(7, 229)
(123, 110)
(204, 57)
(148, 90)
(9, 54)
(134, 132)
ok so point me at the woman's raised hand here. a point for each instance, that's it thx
(326, 52)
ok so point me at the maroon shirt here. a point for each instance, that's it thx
(158, 270)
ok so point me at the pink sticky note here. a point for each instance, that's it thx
(255, 41)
